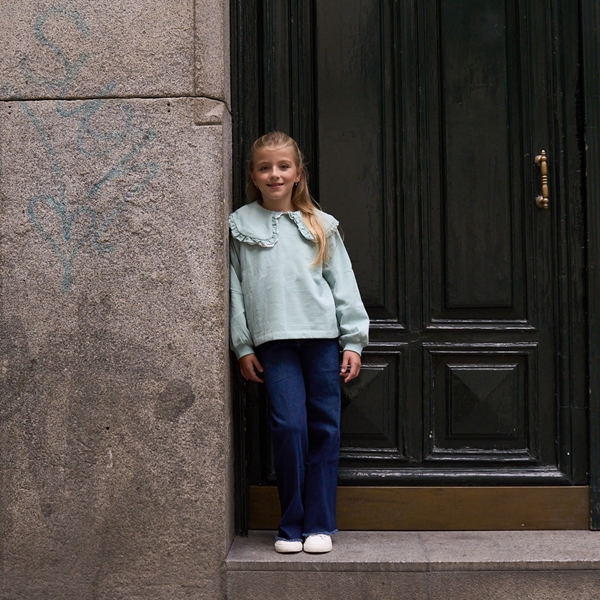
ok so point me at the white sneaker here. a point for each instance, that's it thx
(287, 546)
(315, 544)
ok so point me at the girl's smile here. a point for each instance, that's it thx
(275, 174)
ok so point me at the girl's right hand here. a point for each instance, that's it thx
(250, 368)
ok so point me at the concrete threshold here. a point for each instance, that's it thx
(426, 551)
(492, 565)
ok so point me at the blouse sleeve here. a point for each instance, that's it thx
(241, 340)
(352, 317)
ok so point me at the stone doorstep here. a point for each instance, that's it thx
(411, 551)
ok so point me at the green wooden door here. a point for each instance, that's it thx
(421, 122)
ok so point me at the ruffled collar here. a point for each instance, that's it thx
(255, 225)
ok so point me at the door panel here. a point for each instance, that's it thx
(480, 388)
(476, 128)
(356, 158)
(477, 137)
(481, 404)
(375, 427)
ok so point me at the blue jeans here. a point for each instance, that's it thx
(303, 381)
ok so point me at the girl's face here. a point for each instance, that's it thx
(275, 173)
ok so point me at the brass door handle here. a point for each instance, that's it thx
(541, 160)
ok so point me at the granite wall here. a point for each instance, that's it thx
(115, 441)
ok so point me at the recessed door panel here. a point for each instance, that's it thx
(477, 212)
(355, 143)
(481, 404)
(371, 404)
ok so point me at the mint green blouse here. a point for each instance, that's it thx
(277, 294)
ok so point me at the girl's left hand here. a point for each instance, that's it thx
(350, 365)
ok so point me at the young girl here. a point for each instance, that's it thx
(294, 301)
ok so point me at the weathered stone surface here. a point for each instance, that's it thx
(427, 551)
(352, 551)
(522, 585)
(90, 48)
(512, 550)
(274, 585)
(368, 585)
(440, 565)
(212, 50)
(209, 112)
(208, 589)
(115, 462)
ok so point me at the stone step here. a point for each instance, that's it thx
(465, 565)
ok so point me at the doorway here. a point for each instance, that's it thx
(422, 122)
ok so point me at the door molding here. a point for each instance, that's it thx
(442, 508)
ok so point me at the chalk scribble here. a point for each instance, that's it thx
(117, 152)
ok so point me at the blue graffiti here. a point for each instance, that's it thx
(92, 143)
(72, 69)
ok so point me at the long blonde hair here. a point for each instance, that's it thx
(301, 198)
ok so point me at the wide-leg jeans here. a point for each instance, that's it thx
(303, 381)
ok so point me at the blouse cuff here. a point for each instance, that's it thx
(354, 348)
(243, 350)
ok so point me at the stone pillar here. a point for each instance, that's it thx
(115, 435)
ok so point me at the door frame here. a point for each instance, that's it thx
(255, 111)
(590, 56)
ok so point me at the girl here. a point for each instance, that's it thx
(294, 301)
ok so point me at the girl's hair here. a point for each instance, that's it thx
(301, 198)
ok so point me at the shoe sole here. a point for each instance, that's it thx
(289, 549)
(310, 550)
